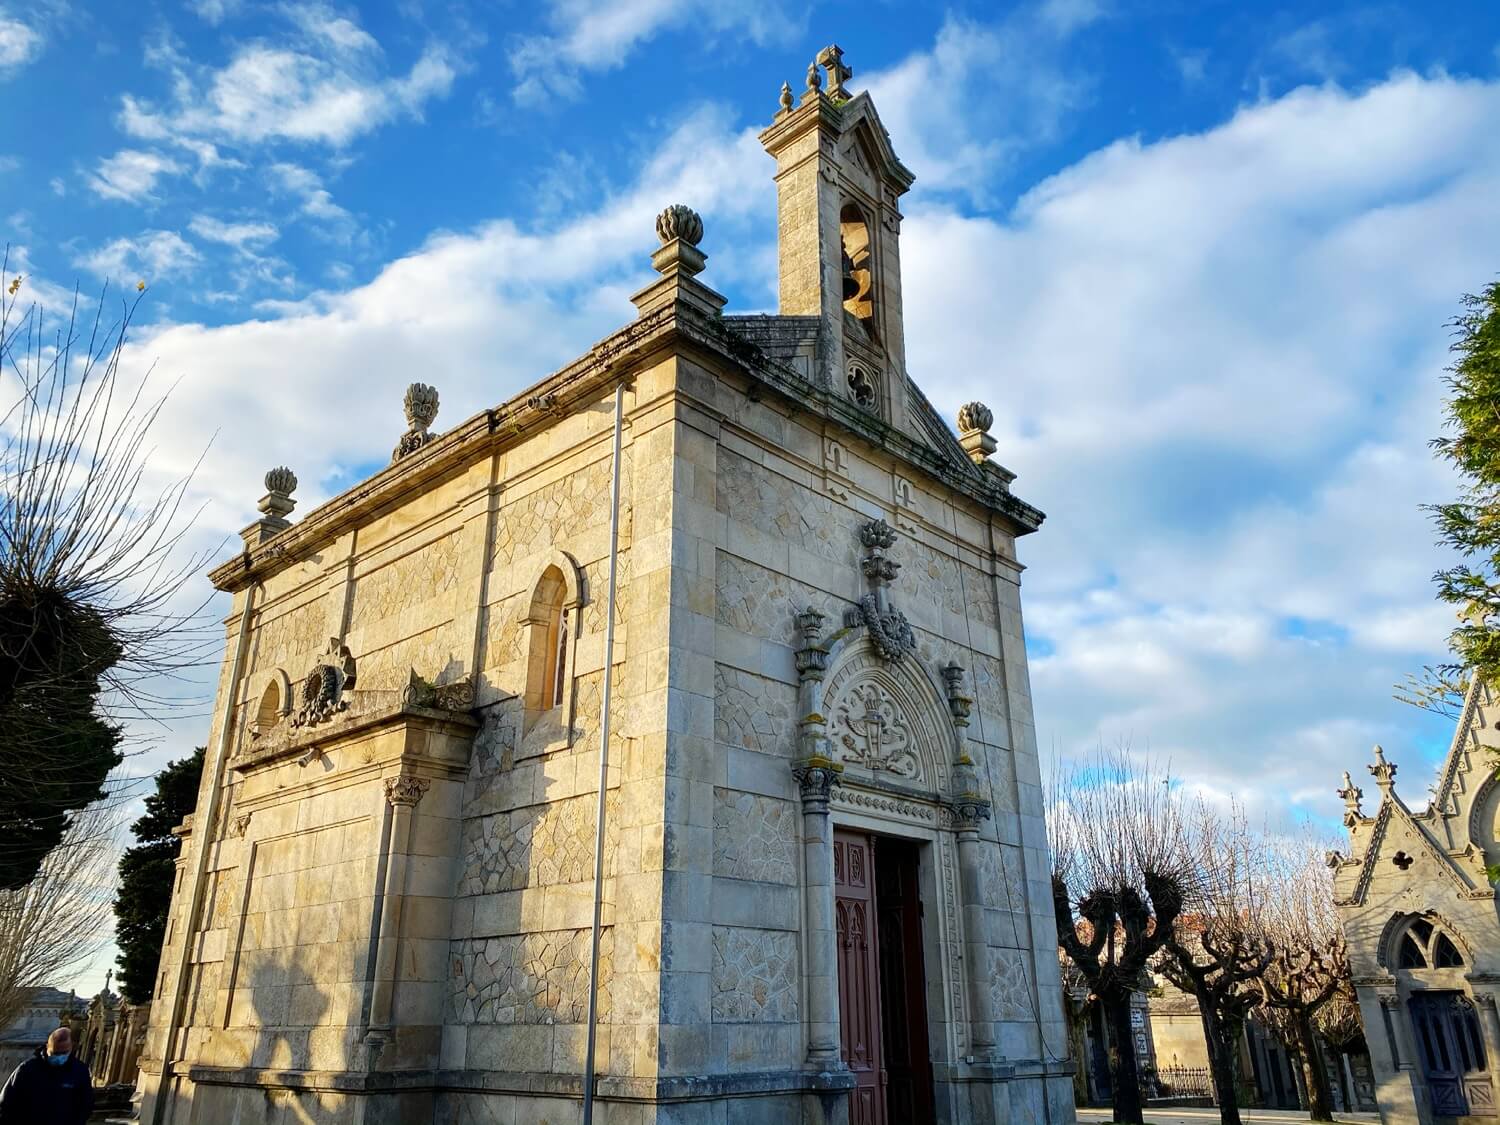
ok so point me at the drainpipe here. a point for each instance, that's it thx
(609, 660)
(203, 830)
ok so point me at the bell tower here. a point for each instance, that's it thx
(838, 184)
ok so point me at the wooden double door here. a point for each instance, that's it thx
(1451, 1047)
(882, 981)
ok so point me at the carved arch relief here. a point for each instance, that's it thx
(888, 722)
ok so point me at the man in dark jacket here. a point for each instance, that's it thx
(50, 1088)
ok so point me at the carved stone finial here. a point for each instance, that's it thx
(974, 422)
(890, 632)
(420, 405)
(1351, 794)
(678, 257)
(814, 79)
(786, 97)
(831, 59)
(277, 503)
(679, 221)
(959, 704)
(1384, 772)
(974, 416)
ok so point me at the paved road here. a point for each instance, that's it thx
(1209, 1116)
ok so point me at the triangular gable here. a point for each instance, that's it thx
(1394, 811)
(874, 143)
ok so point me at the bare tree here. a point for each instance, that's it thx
(1309, 963)
(1119, 860)
(54, 923)
(1218, 950)
(91, 566)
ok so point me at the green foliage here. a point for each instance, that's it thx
(146, 874)
(55, 749)
(1471, 524)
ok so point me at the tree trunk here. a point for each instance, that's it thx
(1127, 1082)
(1319, 1096)
(1221, 1051)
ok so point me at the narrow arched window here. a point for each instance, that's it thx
(547, 671)
(859, 279)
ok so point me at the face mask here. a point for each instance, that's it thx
(58, 1060)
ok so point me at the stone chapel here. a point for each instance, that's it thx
(824, 892)
(1422, 922)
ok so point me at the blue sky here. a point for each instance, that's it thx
(1198, 257)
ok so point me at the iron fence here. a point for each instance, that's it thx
(1184, 1082)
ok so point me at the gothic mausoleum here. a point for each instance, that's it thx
(1422, 921)
(823, 894)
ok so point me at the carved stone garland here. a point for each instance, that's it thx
(890, 632)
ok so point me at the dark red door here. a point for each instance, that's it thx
(859, 989)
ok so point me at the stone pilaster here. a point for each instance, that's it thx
(402, 792)
(816, 775)
(816, 779)
(969, 811)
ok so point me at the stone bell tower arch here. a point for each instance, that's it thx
(838, 183)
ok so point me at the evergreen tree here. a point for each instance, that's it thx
(146, 873)
(1471, 524)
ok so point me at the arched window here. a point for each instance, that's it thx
(268, 714)
(1420, 943)
(551, 623)
(859, 279)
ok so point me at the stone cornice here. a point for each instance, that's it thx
(369, 711)
(578, 383)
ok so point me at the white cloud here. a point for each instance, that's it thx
(215, 12)
(325, 83)
(1215, 361)
(315, 201)
(153, 255)
(587, 36)
(131, 174)
(983, 93)
(240, 236)
(19, 44)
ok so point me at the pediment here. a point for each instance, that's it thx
(1401, 851)
(868, 145)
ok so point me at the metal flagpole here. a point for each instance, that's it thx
(609, 655)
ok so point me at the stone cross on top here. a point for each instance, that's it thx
(831, 59)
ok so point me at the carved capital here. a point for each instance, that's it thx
(1390, 1001)
(405, 789)
(969, 811)
(816, 778)
(1486, 1000)
(241, 825)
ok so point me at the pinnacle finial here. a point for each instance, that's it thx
(974, 422)
(786, 97)
(280, 482)
(679, 221)
(420, 404)
(1384, 772)
(814, 79)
